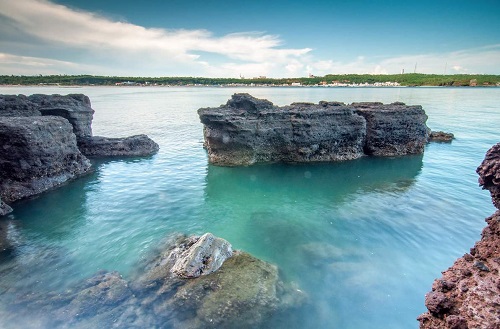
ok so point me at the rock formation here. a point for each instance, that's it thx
(42, 139)
(75, 108)
(248, 130)
(97, 146)
(468, 293)
(440, 136)
(242, 293)
(393, 129)
(37, 154)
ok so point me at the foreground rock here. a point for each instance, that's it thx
(468, 294)
(97, 146)
(37, 154)
(248, 130)
(242, 293)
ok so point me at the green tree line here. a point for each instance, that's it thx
(409, 79)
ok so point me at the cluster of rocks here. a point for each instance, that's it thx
(192, 282)
(247, 130)
(468, 293)
(45, 141)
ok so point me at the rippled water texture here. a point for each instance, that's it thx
(365, 239)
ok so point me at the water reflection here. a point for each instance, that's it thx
(330, 182)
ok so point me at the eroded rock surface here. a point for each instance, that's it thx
(243, 293)
(393, 129)
(97, 146)
(76, 108)
(36, 154)
(17, 106)
(468, 293)
(248, 130)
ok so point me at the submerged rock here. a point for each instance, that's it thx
(248, 130)
(37, 153)
(440, 136)
(97, 146)
(468, 293)
(243, 293)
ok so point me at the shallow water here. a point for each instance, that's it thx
(364, 239)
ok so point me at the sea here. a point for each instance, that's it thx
(364, 239)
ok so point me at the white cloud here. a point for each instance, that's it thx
(69, 41)
(113, 41)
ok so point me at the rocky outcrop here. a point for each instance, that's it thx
(97, 146)
(243, 293)
(441, 137)
(468, 293)
(36, 154)
(75, 108)
(393, 129)
(41, 137)
(248, 130)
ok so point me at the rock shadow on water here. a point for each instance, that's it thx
(329, 182)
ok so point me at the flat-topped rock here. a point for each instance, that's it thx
(98, 146)
(17, 106)
(247, 130)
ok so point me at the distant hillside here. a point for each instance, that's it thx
(410, 79)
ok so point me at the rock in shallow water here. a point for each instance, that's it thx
(243, 293)
(4, 208)
(97, 146)
(248, 130)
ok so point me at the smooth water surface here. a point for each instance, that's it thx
(364, 239)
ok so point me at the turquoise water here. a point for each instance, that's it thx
(364, 239)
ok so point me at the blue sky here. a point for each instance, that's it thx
(252, 38)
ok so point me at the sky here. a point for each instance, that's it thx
(273, 38)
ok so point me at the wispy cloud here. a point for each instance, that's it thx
(41, 37)
(107, 40)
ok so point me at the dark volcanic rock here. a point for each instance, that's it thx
(440, 136)
(74, 107)
(468, 294)
(17, 106)
(489, 173)
(97, 146)
(4, 208)
(393, 129)
(36, 154)
(248, 130)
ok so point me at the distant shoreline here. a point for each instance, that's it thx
(330, 80)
